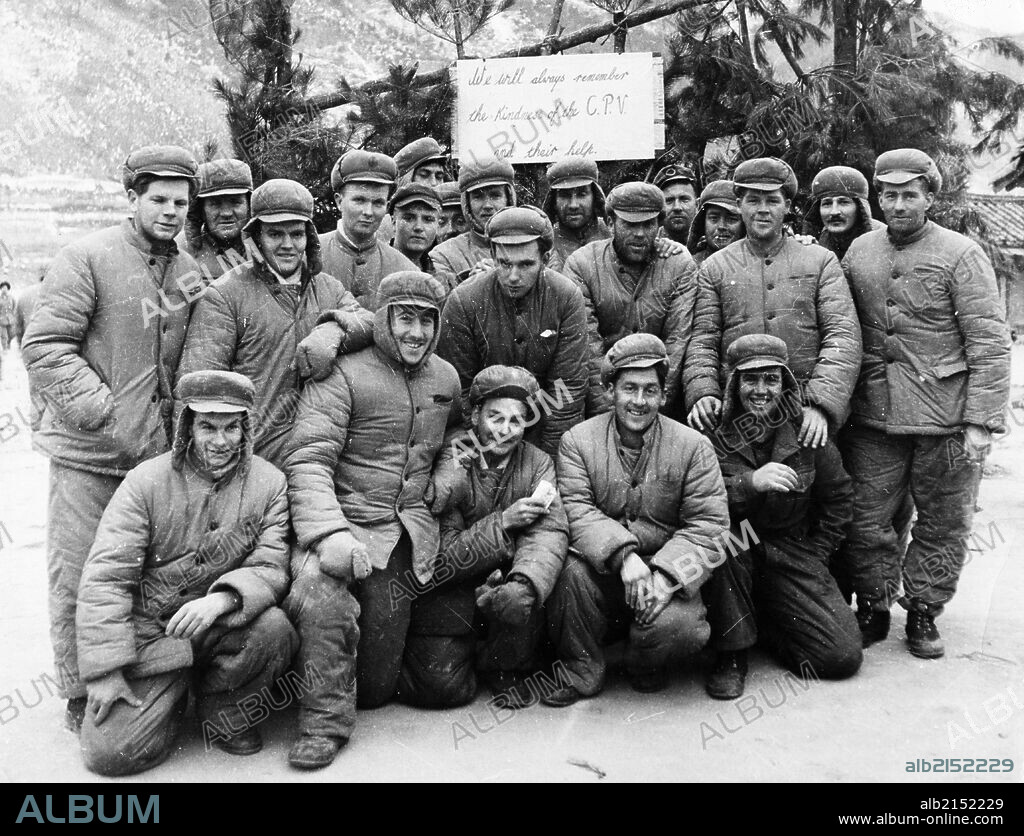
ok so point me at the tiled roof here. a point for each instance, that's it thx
(1003, 216)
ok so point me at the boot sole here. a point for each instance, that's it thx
(926, 653)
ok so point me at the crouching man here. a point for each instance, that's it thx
(359, 464)
(798, 501)
(505, 521)
(182, 585)
(645, 500)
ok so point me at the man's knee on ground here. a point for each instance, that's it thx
(109, 753)
(839, 660)
(438, 671)
(681, 628)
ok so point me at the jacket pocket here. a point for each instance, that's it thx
(944, 370)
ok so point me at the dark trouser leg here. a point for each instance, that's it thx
(680, 629)
(77, 501)
(383, 627)
(880, 466)
(134, 739)
(326, 615)
(728, 594)
(945, 486)
(235, 670)
(510, 647)
(578, 613)
(437, 667)
(804, 618)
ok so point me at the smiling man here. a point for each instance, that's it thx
(181, 588)
(798, 501)
(520, 313)
(252, 319)
(717, 222)
(642, 493)
(359, 464)
(219, 210)
(933, 386)
(104, 368)
(769, 283)
(363, 182)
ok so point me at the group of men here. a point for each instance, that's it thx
(398, 461)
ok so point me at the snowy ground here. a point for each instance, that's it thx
(969, 704)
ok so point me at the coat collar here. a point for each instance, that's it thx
(142, 243)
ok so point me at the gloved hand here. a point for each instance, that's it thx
(315, 355)
(485, 593)
(344, 557)
(513, 601)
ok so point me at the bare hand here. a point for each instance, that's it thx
(775, 477)
(660, 594)
(522, 512)
(636, 578)
(196, 617)
(666, 247)
(106, 691)
(814, 428)
(705, 413)
(806, 240)
(977, 441)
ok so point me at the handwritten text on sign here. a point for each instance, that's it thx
(534, 110)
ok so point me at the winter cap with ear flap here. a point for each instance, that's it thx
(358, 166)
(411, 287)
(634, 351)
(216, 391)
(219, 177)
(572, 173)
(716, 193)
(161, 161)
(905, 164)
(839, 180)
(412, 193)
(756, 351)
(449, 194)
(281, 200)
(487, 172)
(766, 174)
(636, 202)
(674, 174)
(520, 225)
(503, 382)
(419, 152)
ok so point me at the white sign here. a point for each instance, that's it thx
(535, 110)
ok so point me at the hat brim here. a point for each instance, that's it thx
(636, 217)
(662, 183)
(514, 238)
(510, 390)
(215, 406)
(485, 184)
(761, 362)
(439, 158)
(424, 201)
(900, 176)
(368, 178)
(230, 190)
(164, 172)
(641, 363)
(412, 302)
(280, 217)
(762, 187)
(732, 208)
(572, 183)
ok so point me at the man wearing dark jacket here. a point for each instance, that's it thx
(182, 585)
(520, 313)
(645, 500)
(359, 464)
(933, 386)
(796, 501)
(219, 210)
(252, 319)
(505, 520)
(101, 351)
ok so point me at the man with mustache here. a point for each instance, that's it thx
(575, 205)
(933, 387)
(101, 351)
(253, 319)
(520, 313)
(679, 185)
(182, 585)
(717, 222)
(798, 501)
(213, 227)
(643, 493)
(839, 210)
(359, 465)
(628, 288)
(770, 283)
(486, 187)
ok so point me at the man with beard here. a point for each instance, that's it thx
(770, 283)
(575, 205)
(717, 222)
(839, 210)
(359, 464)
(415, 209)
(486, 187)
(505, 521)
(213, 228)
(933, 387)
(798, 501)
(679, 185)
(628, 288)
(520, 313)
(642, 493)
(182, 586)
(252, 319)
(363, 182)
(101, 351)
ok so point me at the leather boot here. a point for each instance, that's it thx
(729, 675)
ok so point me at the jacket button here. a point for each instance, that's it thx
(890, 331)
(770, 316)
(214, 525)
(519, 340)
(412, 443)
(419, 409)
(767, 261)
(771, 287)
(183, 593)
(891, 303)
(153, 398)
(152, 262)
(889, 360)
(632, 517)
(633, 484)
